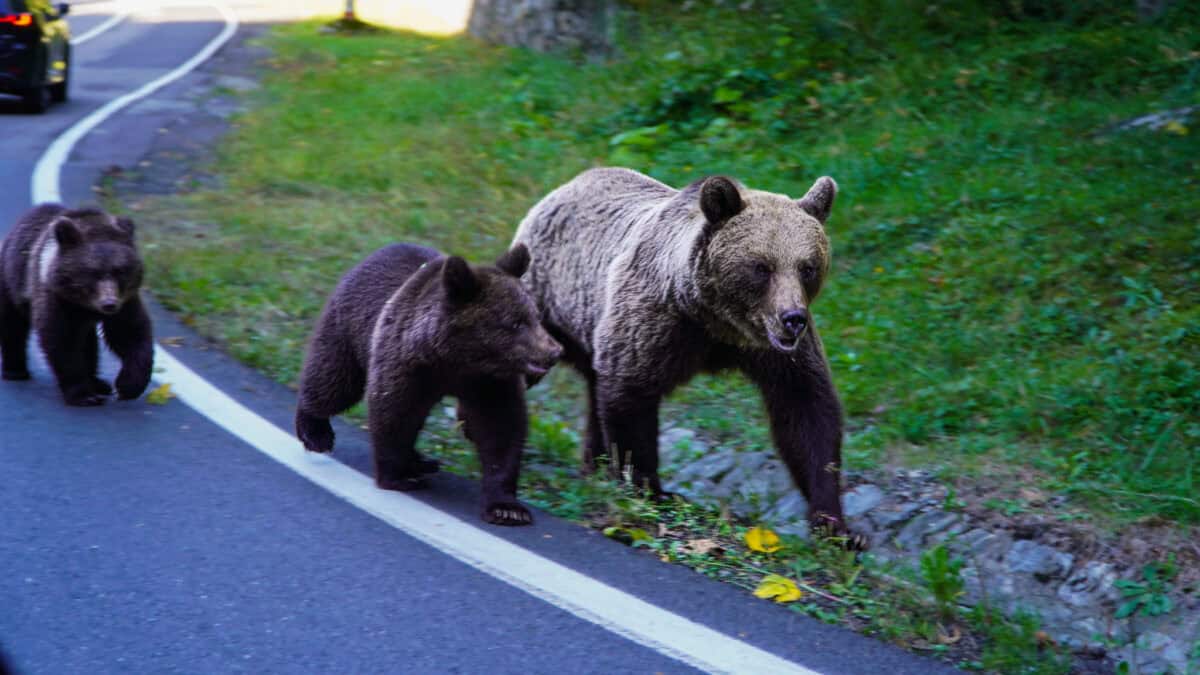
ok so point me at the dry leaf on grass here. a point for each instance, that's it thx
(702, 547)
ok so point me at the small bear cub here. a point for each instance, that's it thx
(62, 272)
(410, 325)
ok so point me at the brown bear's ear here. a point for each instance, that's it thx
(720, 199)
(66, 233)
(126, 225)
(461, 283)
(819, 200)
(515, 261)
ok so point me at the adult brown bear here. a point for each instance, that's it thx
(646, 286)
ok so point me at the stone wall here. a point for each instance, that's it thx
(905, 513)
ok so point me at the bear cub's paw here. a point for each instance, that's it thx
(83, 395)
(101, 388)
(15, 375)
(314, 432)
(412, 477)
(506, 512)
(131, 384)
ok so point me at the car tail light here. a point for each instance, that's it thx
(17, 19)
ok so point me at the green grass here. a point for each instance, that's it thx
(1014, 295)
(1015, 291)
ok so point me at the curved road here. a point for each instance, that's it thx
(141, 538)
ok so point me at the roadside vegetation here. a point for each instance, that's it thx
(1015, 295)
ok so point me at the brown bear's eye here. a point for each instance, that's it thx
(762, 270)
(808, 272)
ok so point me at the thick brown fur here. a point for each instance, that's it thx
(646, 286)
(63, 272)
(408, 326)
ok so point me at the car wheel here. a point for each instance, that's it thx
(58, 92)
(37, 99)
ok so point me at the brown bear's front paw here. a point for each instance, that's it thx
(644, 480)
(426, 466)
(834, 530)
(101, 388)
(15, 374)
(83, 396)
(506, 512)
(130, 385)
(402, 483)
(315, 433)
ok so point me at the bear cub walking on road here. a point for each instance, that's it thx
(62, 272)
(409, 325)
(646, 285)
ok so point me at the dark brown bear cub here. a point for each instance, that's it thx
(409, 326)
(63, 272)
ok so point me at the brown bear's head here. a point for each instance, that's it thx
(493, 325)
(95, 263)
(761, 258)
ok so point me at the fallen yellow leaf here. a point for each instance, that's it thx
(1175, 127)
(780, 589)
(161, 395)
(763, 540)
(627, 535)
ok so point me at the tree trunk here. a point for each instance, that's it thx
(553, 26)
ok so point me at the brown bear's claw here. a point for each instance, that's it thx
(507, 513)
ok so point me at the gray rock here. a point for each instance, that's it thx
(859, 500)
(892, 515)
(1154, 652)
(1090, 585)
(745, 470)
(1043, 562)
(679, 444)
(236, 83)
(796, 529)
(759, 486)
(925, 526)
(698, 490)
(972, 540)
(1089, 633)
(710, 467)
(789, 508)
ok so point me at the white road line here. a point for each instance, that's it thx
(46, 172)
(120, 15)
(610, 608)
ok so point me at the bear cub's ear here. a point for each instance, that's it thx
(126, 225)
(460, 281)
(818, 202)
(720, 199)
(515, 261)
(66, 233)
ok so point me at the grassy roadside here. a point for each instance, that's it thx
(1014, 294)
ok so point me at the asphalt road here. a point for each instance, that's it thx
(142, 538)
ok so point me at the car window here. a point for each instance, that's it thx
(11, 6)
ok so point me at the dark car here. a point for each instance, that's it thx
(35, 52)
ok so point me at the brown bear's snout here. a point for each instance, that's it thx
(546, 353)
(107, 301)
(795, 321)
